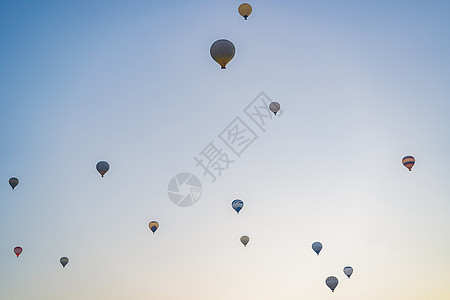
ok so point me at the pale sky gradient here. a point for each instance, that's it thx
(361, 84)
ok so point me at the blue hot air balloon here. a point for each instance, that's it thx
(237, 205)
(102, 167)
(317, 246)
(332, 282)
(348, 271)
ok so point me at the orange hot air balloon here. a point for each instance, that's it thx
(408, 161)
(245, 10)
(18, 250)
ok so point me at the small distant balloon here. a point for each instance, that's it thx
(237, 205)
(13, 182)
(348, 271)
(274, 107)
(317, 246)
(244, 240)
(64, 261)
(332, 282)
(245, 10)
(222, 51)
(102, 167)
(408, 162)
(153, 225)
(18, 250)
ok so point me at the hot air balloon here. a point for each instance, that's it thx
(317, 246)
(348, 271)
(274, 107)
(332, 282)
(237, 205)
(13, 182)
(244, 240)
(102, 167)
(408, 161)
(222, 51)
(153, 225)
(18, 250)
(64, 261)
(245, 10)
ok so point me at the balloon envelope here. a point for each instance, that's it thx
(317, 246)
(153, 225)
(18, 250)
(64, 261)
(102, 167)
(348, 271)
(408, 162)
(237, 205)
(245, 10)
(13, 182)
(332, 282)
(244, 240)
(222, 51)
(274, 107)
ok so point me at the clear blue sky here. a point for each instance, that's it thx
(361, 84)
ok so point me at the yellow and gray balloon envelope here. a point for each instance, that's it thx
(102, 167)
(64, 261)
(13, 182)
(348, 271)
(332, 282)
(274, 107)
(222, 51)
(317, 246)
(244, 240)
(245, 10)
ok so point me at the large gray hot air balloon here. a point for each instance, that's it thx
(222, 51)
(64, 261)
(13, 182)
(244, 240)
(348, 271)
(332, 282)
(317, 246)
(102, 167)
